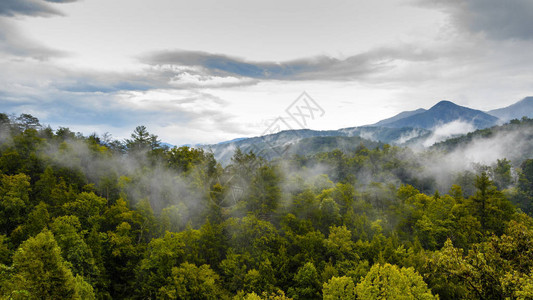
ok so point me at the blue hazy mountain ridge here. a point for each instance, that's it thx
(405, 128)
(231, 141)
(399, 116)
(301, 141)
(522, 108)
(442, 113)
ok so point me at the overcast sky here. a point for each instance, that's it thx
(206, 71)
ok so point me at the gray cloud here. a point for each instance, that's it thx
(61, 1)
(14, 43)
(105, 82)
(183, 119)
(512, 19)
(313, 68)
(11, 8)
(106, 101)
(223, 65)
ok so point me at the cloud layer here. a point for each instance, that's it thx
(12, 8)
(312, 68)
(496, 19)
(479, 56)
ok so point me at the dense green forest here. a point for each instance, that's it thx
(89, 217)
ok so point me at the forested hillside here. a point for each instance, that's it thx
(310, 142)
(89, 217)
(520, 130)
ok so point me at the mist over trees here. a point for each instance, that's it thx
(89, 217)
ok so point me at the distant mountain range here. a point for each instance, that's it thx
(518, 110)
(446, 111)
(306, 141)
(441, 113)
(402, 115)
(405, 128)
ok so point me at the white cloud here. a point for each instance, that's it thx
(190, 80)
(361, 61)
(448, 130)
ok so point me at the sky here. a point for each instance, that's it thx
(207, 71)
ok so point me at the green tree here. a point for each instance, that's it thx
(390, 282)
(5, 252)
(88, 207)
(146, 219)
(340, 245)
(502, 174)
(37, 220)
(494, 269)
(142, 140)
(4, 120)
(329, 214)
(42, 272)
(14, 201)
(27, 121)
(307, 283)
(490, 206)
(234, 269)
(84, 289)
(212, 243)
(184, 158)
(261, 280)
(191, 282)
(123, 255)
(67, 232)
(339, 288)
(278, 295)
(265, 192)
(173, 218)
(254, 237)
(305, 206)
(161, 255)
(524, 197)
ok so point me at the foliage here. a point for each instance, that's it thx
(40, 271)
(191, 282)
(390, 282)
(91, 217)
(339, 288)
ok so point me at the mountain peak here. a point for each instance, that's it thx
(527, 100)
(399, 116)
(517, 110)
(442, 113)
(444, 104)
